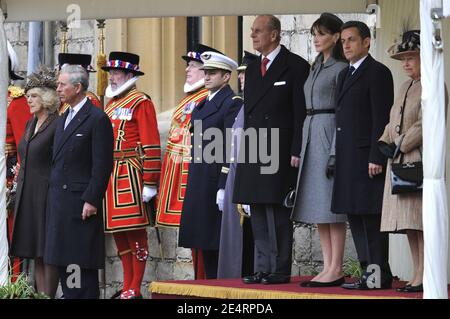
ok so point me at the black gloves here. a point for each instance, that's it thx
(388, 150)
(11, 161)
(331, 166)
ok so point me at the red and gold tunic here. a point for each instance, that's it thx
(18, 114)
(176, 162)
(91, 96)
(137, 161)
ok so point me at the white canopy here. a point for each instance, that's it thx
(435, 214)
(3, 92)
(32, 10)
(435, 201)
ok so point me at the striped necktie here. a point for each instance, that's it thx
(69, 117)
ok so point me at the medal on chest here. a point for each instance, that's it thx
(188, 108)
(122, 114)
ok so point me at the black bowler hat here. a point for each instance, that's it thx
(83, 60)
(410, 44)
(196, 54)
(123, 61)
(246, 60)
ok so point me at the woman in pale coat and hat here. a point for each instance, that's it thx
(402, 213)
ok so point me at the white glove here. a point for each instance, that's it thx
(246, 209)
(148, 192)
(219, 198)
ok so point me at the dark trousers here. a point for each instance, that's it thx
(211, 263)
(371, 244)
(272, 233)
(248, 248)
(88, 284)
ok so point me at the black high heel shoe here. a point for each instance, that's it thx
(335, 283)
(402, 289)
(418, 288)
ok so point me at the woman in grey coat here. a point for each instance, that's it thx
(315, 180)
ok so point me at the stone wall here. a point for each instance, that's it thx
(81, 40)
(176, 262)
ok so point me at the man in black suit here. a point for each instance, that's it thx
(82, 164)
(275, 108)
(365, 93)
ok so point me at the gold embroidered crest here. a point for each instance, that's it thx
(15, 92)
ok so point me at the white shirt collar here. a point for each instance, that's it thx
(212, 95)
(271, 56)
(78, 107)
(358, 63)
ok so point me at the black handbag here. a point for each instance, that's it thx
(405, 177)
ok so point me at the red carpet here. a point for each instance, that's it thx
(235, 289)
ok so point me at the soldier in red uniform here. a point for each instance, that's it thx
(85, 61)
(176, 158)
(18, 113)
(137, 164)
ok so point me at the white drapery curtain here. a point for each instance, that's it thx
(446, 7)
(4, 76)
(435, 215)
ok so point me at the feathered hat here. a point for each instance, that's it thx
(410, 44)
(43, 77)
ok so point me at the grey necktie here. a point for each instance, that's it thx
(69, 117)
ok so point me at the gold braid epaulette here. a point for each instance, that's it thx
(15, 92)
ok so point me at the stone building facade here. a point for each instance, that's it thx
(176, 262)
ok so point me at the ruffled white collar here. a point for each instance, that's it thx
(124, 87)
(194, 87)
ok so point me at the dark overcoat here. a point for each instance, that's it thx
(363, 104)
(275, 101)
(35, 150)
(81, 166)
(201, 218)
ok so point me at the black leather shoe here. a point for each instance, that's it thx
(418, 288)
(255, 278)
(361, 284)
(358, 285)
(335, 283)
(275, 279)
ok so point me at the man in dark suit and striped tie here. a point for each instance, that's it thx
(275, 108)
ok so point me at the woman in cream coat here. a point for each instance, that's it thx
(402, 213)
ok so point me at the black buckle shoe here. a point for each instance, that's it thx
(256, 278)
(357, 285)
